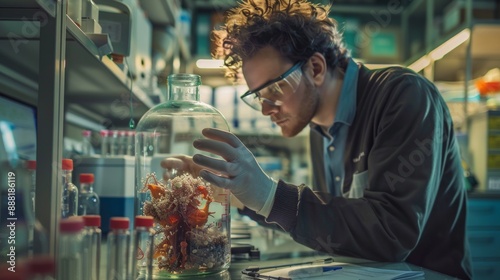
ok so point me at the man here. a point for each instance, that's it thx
(387, 169)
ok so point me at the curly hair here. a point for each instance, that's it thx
(296, 28)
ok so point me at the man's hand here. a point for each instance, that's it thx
(238, 171)
(179, 164)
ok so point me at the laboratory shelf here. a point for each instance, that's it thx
(93, 82)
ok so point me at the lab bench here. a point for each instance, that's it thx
(278, 249)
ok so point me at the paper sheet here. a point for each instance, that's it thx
(348, 272)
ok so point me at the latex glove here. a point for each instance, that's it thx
(237, 171)
(179, 164)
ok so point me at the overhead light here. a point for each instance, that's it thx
(450, 45)
(210, 63)
(441, 50)
(420, 64)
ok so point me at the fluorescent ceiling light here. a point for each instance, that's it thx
(210, 63)
(441, 50)
(420, 64)
(450, 45)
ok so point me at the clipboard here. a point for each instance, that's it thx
(347, 272)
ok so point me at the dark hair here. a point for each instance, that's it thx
(296, 28)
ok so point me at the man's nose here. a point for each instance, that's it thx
(268, 109)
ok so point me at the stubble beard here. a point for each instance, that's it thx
(303, 116)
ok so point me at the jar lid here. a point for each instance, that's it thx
(71, 224)
(31, 164)
(86, 178)
(67, 164)
(119, 223)
(144, 221)
(92, 220)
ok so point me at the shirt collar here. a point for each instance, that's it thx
(346, 108)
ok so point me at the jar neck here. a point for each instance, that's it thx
(66, 176)
(186, 93)
(87, 187)
(184, 87)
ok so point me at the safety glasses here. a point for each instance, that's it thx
(272, 92)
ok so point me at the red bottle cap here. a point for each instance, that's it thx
(86, 178)
(86, 133)
(92, 220)
(71, 224)
(31, 164)
(119, 223)
(144, 221)
(104, 133)
(67, 164)
(40, 265)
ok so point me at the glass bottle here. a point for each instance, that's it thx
(130, 143)
(118, 249)
(69, 192)
(88, 200)
(113, 142)
(92, 247)
(41, 267)
(69, 250)
(31, 166)
(86, 143)
(143, 246)
(38, 240)
(194, 217)
(104, 143)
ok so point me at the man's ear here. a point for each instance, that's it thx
(317, 68)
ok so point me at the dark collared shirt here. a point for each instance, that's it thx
(334, 139)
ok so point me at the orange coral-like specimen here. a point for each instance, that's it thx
(176, 209)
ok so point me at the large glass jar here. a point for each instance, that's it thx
(191, 216)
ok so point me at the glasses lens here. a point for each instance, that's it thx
(273, 93)
(253, 101)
